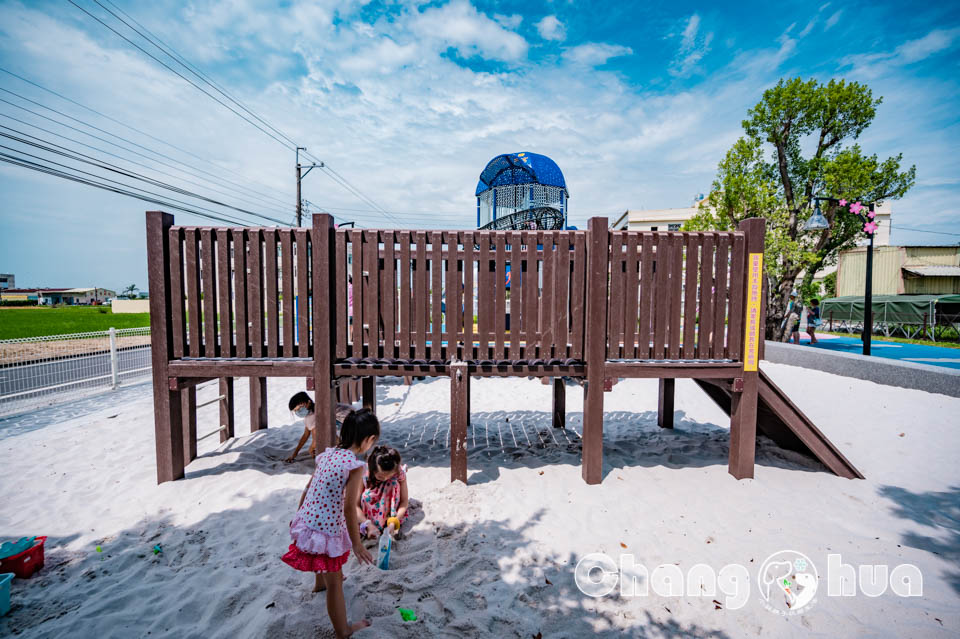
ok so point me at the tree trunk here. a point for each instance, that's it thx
(777, 306)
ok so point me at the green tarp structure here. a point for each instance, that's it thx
(891, 309)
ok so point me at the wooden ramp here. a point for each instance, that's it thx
(779, 419)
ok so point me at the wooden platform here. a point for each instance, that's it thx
(598, 305)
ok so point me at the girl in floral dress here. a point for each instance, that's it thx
(384, 500)
(324, 528)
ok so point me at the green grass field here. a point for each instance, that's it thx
(38, 321)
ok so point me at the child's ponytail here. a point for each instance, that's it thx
(358, 425)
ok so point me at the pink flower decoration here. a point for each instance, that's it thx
(855, 208)
(870, 227)
(872, 214)
(843, 202)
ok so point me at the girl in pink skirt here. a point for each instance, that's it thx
(324, 529)
(384, 499)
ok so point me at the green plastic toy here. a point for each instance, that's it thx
(407, 614)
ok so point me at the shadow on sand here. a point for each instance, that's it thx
(938, 511)
(221, 576)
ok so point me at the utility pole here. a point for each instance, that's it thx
(300, 177)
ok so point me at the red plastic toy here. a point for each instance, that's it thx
(24, 564)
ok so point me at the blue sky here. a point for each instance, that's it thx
(637, 103)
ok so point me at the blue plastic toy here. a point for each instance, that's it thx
(5, 579)
(11, 548)
(383, 557)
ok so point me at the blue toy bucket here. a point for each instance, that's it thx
(5, 580)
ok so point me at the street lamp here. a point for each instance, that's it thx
(817, 222)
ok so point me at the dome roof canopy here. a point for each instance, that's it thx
(520, 168)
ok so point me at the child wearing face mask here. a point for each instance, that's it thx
(303, 407)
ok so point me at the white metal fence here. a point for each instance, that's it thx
(39, 371)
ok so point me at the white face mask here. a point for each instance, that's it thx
(303, 411)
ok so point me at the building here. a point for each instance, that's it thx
(673, 220)
(51, 296)
(7, 281)
(901, 270)
(654, 219)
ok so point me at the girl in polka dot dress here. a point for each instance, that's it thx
(324, 529)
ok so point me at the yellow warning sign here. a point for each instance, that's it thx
(754, 332)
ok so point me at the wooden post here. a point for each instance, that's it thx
(226, 409)
(459, 420)
(324, 327)
(559, 403)
(743, 405)
(598, 247)
(188, 410)
(370, 393)
(258, 403)
(665, 402)
(168, 424)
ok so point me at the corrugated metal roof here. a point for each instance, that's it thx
(933, 271)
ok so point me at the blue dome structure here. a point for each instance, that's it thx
(521, 191)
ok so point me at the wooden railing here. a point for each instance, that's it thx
(598, 304)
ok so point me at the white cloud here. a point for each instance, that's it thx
(412, 128)
(550, 28)
(832, 20)
(690, 32)
(460, 25)
(934, 42)
(595, 53)
(511, 22)
(693, 48)
(872, 65)
(383, 56)
(807, 29)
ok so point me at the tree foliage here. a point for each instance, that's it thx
(799, 144)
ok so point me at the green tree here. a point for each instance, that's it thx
(830, 285)
(798, 144)
(130, 292)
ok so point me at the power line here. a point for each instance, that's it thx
(143, 133)
(10, 159)
(174, 71)
(105, 179)
(339, 179)
(104, 151)
(97, 129)
(168, 50)
(907, 228)
(87, 159)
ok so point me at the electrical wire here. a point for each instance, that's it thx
(104, 151)
(168, 50)
(123, 184)
(907, 228)
(143, 133)
(9, 159)
(188, 80)
(90, 134)
(285, 141)
(73, 155)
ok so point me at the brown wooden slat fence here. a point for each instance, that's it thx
(595, 304)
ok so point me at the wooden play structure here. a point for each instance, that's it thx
(598, 304)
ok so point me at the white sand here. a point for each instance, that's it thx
(478, 558)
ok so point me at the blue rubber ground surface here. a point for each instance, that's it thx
(933, 355)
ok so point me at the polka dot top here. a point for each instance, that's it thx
(320, 518)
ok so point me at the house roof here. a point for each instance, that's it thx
(933, 271)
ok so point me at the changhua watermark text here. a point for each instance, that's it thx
(788, 581)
